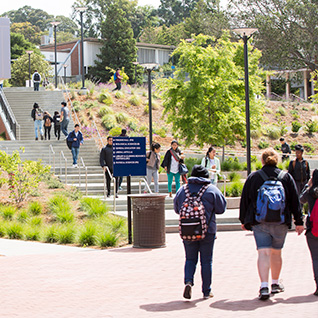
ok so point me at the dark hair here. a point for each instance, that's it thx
(209, 150)
(174, 142)
(63, 103)
(35, 105)
(123, 132)
(313, 189)
(199, 171)
(299, 147)
(109, 137)
(281, 139)
(77, 125)
(155, 145)
(56, 112)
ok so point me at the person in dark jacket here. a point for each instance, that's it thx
(269, 237)
(57, 125)
(285, 149)
(214, 203)
(170, 163)
(299, 168)
(77, 140)
(310, 195)
(47, 124)
(106, 160)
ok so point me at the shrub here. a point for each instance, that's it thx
(305, 109)
(3, 229)
(87, 235)
(73, 193)
(132, 124)
(59, 202)
(234, 176)
(35, 221)
(281, 111)
(162, 132)
(122, 118)
(293, 144)
(8, 211)
(296, 126)
(146, 109)
(23, 216)
(263, 144)
(190, 162)
(107, 238)
(231, 164)
(50, 234)
(119, 95)
(93, 207)
(32, 234)
(234, 190)
(117, 224)
(116, 131)
(105, 98)
(65, 216)
(135, 100)
(54, 183)
(309, 147)
(66, 234)
(14, 230)
(105, 110)
(35, 208)
(257, 165)
(256, 133)
(109, 121)
(311, 126)
(273, 132)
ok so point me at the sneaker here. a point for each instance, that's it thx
(210, 295)
(120, 188)
(263, 293)
(117, 196)
(187, 291)
(108, 195)
(277, 288)
(36, 138)
(41, 137)
(75, 166)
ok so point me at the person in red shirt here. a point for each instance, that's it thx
(117, 79)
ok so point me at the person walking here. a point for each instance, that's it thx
(65, 118)
(153, 165)
(117, 78)
(310, 195)
(106, 160)
(212, 163)
(214, 203)
(37, 115)
(299, 168)
(36, 78)
(270, 236)
(47, 119)
(57, 125)
(285, 149)
(170, 163)
(76, 137)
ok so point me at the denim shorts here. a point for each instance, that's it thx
(270, 235)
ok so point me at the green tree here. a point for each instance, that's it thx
(67, 25)
(287, 36)
(209, 106)
(119, 46)
(30, 32)
(20, 68)
(19, 45)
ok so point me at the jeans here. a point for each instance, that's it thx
(57, 131)
(64, 125)
(312, 242)
(47, 132)
(151, 172)
(36, 86)
(118, 87)
(75, 152)
(176, 179)
(38, 127)
(192, 249)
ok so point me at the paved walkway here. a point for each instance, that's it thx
(129, 282)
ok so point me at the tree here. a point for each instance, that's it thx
(67, 25)
(119, 46)
(287, 36)
(19, 45)
(30, 32)
(20, 68)
(209, 107)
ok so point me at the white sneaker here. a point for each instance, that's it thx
(75, 166)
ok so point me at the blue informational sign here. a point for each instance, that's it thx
(129, 156)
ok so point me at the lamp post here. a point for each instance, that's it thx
(55, 24)
(65, 66)
(149, 67)
(245, 34)
(135, 63)
(29, 53)
(81, 10)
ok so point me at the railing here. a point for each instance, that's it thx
(62, 156)
(146, 184)
(52, 153)
(79, 175)
(115, 186)
(100, 137)
(297, 97)
(9, 116)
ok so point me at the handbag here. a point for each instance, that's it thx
(183, 169)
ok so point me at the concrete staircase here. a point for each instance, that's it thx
(21, 101)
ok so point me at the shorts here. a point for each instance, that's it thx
(270, 235)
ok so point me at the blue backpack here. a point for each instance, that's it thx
(115, 76)
(270, 204)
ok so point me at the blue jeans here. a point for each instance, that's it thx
(75, 152)
(192, 249)
(36, 86)
(64, 125)
(38, 127)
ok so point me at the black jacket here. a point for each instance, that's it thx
(301, 173)
(310, 197)
(167, 159)
(285, 148)
(106, 157)
(249, 198)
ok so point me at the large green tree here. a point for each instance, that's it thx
(119, 46)
(30, 32)
(287, 36)
(205, 101)
(19, 45)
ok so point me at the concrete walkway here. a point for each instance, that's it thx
(129, 282)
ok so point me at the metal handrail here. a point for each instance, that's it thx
(272, 93)
(51, 151)
(83, 164)
(146, 184)
(100, 137)
(62, 156)
(295, 96)
(114, 180)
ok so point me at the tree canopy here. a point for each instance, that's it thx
(205, 100)
(19, 45)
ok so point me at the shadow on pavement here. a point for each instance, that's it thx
(130, 249)
(171, 305)
(253, 304)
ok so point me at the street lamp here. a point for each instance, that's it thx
(149, 67)
(65, 66)
(245, 34)
(55, 24)
(135, 63)
(81, 10)
(29, 53)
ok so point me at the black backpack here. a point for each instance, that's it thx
(69, 143)
(36, 77)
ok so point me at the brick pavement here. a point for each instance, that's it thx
(130, 282)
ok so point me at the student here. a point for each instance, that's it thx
(153, 165)
(57, 125)
(47, 123)
(285, 149)
(36, 78)
(77, 140)
(117, 78)
(65, 117)
(212, 163)
(37, 115)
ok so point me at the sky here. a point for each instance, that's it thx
(58, 7)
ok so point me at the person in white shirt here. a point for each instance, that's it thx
(212, 163)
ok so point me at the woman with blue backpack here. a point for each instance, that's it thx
(268, 202)
(310, 195)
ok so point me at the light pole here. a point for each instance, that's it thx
(29, 53)
(245, 34)
(135, 63)
(149, 67)
(55, 24)
(65, 66)
(81, 10)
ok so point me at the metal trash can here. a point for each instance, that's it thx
(148, 220)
